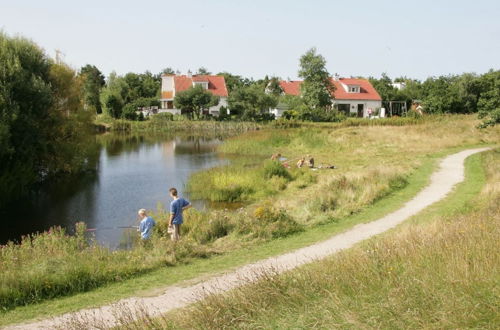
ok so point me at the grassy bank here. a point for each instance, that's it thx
(338, 195)
(439, 273)
(152, 282)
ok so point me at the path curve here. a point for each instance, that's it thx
(450, 173)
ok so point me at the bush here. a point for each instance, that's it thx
(491, 119)
(161, 117)
(268, 222)
(275, 168)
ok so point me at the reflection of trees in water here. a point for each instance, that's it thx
(195, 145)
(54, 203)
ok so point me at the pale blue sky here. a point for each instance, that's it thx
(254, 38)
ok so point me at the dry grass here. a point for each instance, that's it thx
(443, 274)
(373, 161)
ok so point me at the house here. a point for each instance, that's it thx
(172, 84)
(352, 96)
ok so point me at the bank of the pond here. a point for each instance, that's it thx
(437, 272)
(167, 276)
(368, 166)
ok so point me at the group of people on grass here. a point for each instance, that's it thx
(307, 161)
(177, 206)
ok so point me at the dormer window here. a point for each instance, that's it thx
(203, 84)
(353, 89)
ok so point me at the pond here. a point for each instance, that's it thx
(133, 172)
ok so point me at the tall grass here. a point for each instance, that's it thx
(372, 162)
(442, 274)
(52, 264)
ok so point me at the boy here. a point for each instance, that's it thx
(177, 206)
(146, 225)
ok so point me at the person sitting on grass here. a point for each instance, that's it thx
(301, 162)
(177, 206)
(146, 225)
(310, 161)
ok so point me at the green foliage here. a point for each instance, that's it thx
(42, 122)
(251, 103)
(122, 95)
(92, 85)
(275, 168)
(273, 87)
(492, 118)
(194, 100)
(465, 93)
(234, 82)
(114, 95)
(384, 87)
(203, 71)
(317, 88)
(130, 110)
(168, 70)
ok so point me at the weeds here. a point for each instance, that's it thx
(439, 274)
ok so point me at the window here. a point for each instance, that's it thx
(203, 84)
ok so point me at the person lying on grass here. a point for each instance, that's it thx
(146, 225)
(177, 207)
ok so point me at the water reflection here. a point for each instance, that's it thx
(134, 172)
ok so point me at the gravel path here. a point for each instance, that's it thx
(450, 173)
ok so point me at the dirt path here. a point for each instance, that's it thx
(450, 173)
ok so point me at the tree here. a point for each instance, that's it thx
(251, 102)
(384, 87)
(41, 119)
(234, 82)
(194, 100)
(168, 70)
(115, 95)
(93, 82)
(273, 87)
(203, 72)
(317, 88)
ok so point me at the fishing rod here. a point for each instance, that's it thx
(111, 228)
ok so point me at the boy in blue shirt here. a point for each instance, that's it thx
(177, 206)
(146, 225)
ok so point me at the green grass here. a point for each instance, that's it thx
(439, 273)
(145, 284)
(375, 166)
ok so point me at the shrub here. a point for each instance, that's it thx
(492, 118)
(267, 222)
(161, 117)
(274, 168)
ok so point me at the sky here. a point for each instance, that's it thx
(254, 38)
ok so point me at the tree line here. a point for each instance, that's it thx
(249, 99)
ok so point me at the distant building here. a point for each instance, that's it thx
(171, 84)
(351, 96)
(399, 85)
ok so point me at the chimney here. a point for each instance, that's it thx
(336, 77)
(189, 74)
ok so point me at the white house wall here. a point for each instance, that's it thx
(167, 83)
(367, 104)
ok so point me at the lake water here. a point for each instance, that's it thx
(133, 172)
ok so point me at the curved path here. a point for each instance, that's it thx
(450, 173)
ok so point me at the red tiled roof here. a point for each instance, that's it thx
(216, 84)
(291, 87)
(367, 92)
